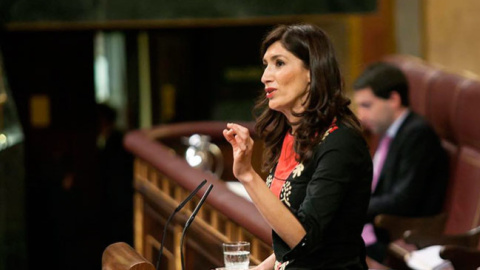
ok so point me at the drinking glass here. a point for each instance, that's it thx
(236, 255)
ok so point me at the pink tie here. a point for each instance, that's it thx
(368, 233)
(382, 155)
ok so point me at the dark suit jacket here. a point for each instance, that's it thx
(414, 177)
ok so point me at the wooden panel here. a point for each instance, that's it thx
(377, 33)
(451, 34)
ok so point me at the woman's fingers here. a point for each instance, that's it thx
(239, 130)
(229, 136)
(239, 137)
(240, 134)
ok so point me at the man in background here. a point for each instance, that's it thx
(410, 166)
(116, 178)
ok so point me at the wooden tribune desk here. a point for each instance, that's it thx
(162, 179)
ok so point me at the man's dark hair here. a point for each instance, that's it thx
(383, 79)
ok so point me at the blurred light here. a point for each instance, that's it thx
(192, 158)
(3, 141)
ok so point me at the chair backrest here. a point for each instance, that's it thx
(419, 76)
(465, 193)
(451, 103)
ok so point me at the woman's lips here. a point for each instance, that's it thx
(269, 92)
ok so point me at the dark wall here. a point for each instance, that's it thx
(60, 157)
(197, 63)
(12, 209)
(104, 10)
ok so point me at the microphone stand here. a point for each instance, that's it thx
(190, 220)
(179, 207)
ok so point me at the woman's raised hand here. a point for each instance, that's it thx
(242, 144)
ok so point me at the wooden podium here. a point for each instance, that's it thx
(163, 179)
(120, 256)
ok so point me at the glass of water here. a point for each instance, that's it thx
(236, 255)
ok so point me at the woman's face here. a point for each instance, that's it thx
(286, 80)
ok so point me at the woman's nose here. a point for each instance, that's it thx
(267, 76)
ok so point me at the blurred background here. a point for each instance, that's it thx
(156, 62)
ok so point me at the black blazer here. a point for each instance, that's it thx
(414, 177)
(329, 196)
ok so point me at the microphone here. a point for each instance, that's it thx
(179, 207)
(190, 220)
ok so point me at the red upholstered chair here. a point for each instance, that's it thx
(463, 222)
(441, 110)
(465, 206)
(467, 119)
(442, 103)
(464, 211)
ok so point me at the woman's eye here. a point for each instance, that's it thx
(279, 63)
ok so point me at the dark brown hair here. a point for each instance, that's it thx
(325, 99)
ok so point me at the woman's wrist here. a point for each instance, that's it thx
(267, 264)
(247, 177)
(263, 266)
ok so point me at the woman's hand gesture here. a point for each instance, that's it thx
(242, 144)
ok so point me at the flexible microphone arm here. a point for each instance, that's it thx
(190, 220)
(179, 207)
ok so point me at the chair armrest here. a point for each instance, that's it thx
(424, 239)
(461, 257)
(397, 225)
(372, 264)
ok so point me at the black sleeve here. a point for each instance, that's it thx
(325, 193)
